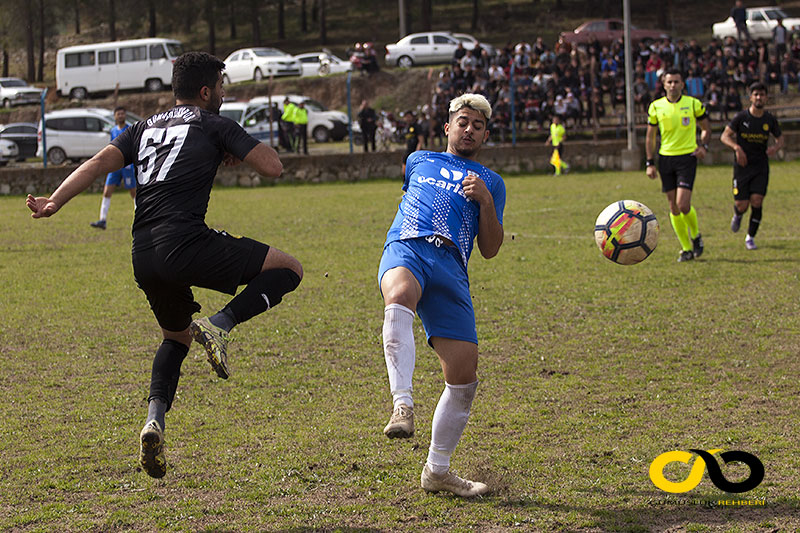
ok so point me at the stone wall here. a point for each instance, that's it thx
(507, 160)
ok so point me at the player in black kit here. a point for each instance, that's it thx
(176, 155)
(747, 135)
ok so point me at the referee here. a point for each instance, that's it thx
(676, 117)
(747, 135)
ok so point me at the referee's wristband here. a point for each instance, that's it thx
(650, 162)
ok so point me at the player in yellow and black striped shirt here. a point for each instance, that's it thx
(676, 116)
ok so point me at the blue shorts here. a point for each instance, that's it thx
(124, 174)
(445, 307)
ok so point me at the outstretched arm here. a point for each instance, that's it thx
(106, 160)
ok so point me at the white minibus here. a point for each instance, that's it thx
(99, 67)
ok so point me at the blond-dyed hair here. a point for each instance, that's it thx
(478, 102)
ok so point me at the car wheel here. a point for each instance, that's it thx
(321, 134)
(405, 62)
(6, 103)
(324, 70)
(3, 162)
(154, 85)
(226, 80)
(57, 156)
(258, 75)
(78, 93)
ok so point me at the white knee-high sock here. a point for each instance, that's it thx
(105, 205)
(399, 351)
(449, 421)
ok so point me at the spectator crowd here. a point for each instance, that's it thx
(581, 83)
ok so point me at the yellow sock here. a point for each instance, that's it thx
(679, 225)
(691, 222)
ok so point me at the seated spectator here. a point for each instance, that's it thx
(713, 99)
(641, 94)
(789, 68)
(733, 102)
(573, 109)
(501, 119)
(468, 61)
(618, 97)
(773, 74)
(459, 53)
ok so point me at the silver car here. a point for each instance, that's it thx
(427, 48)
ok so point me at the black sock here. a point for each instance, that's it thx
(155, 411)
(737, 212)
(224, 319)
(167, 371)
(263, 292)
(755, 220)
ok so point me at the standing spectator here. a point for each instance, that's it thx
(652, 70)
(789, 70)
(739, 16)
(469, 61)
(694, 85)
(459, 53)
(301, 127)
(413, 137)
(641, 94)
(368, 120)
(780, 36)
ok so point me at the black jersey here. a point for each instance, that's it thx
(176, 155)
(411, 133)
(752, 134)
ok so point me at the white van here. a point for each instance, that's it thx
(133, 64)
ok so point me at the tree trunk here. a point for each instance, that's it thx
(212, 37)
(232, 15)
(475, 15)
(663, 10)
(254, 19)
(427, 14)
(314, 11)
(281, 25)
(40, 73)
(29, 41)
(151, 13)
(303, 20)
(112, 21)
(5, 63)
(77, 10)
(323, 30)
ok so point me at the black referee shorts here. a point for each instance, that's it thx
(752, 179)
(212, 260)
(677, 171)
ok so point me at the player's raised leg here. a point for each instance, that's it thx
(401, 292)
(280, 274)
(459, 361)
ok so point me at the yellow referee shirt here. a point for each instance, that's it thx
(677, 123)
(557, 132)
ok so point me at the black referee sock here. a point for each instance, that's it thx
(264, 291)
(736, 211)
(755, 220)
(164, 377)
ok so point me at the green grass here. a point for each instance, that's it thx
(589, 370)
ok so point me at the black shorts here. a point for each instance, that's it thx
(677, 171)
(409, 151)
(752, 179)
(560, 149)
(212, 260)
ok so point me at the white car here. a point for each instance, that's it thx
(471, 42)
(9, 151)
(760, 23)
(323, 124)
(258, 64)
(14, 91)
(254, 118)
(427, 48)
(322, 64)
(76, 133)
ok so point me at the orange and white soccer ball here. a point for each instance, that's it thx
(626, 232)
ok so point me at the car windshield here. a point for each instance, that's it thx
(174, 49)
(775, 14)
(13, 83)
(233, 114)
(268, 52)
(313, 105)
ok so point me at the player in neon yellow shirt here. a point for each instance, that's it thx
(557, 136)
(676, 116)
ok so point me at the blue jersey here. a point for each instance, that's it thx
(435, 204)
(116, 131)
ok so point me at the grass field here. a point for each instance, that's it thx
(589, 370)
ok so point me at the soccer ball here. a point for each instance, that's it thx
(626, 232)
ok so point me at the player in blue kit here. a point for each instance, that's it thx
(450, 199)
(119, 177)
